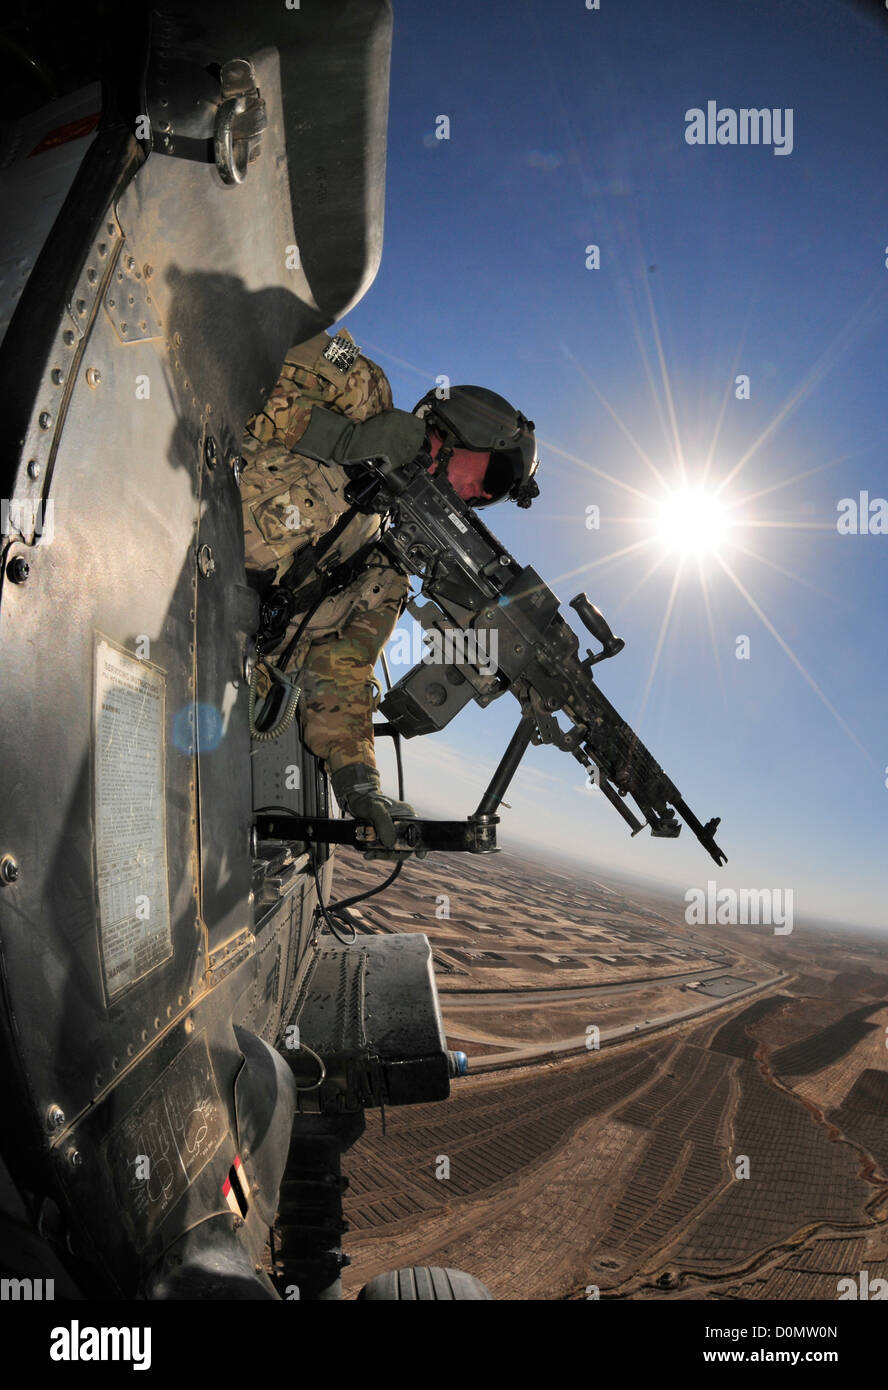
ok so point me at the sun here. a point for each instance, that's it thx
(699, 516)
(691, 521)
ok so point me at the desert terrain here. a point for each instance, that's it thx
(652, 1110)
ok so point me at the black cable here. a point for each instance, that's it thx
(276, 696)
(370, 893)
(396, 740)
(344, 902)
(328, 914)
(303, 623)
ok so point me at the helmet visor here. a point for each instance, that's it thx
(500, 475)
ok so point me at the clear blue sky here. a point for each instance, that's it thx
(568, 128)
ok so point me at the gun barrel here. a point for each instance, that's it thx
(704, 833)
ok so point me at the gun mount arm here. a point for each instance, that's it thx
(476, 835)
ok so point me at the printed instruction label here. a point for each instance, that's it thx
(130, 816)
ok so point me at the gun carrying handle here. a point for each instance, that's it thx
(593, 619)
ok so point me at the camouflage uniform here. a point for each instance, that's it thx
(289, 501)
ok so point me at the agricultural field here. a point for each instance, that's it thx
(725, 1142)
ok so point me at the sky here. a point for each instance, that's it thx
(567, 129)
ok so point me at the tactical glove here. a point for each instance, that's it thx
(330, 437)
(357, 789)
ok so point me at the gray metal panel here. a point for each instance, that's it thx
(34, 186)
(120, 564)
(114, 422)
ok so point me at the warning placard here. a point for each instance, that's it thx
(129, 808)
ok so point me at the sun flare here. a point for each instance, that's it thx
(700, 515)
(692, 522)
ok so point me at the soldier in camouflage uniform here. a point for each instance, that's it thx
(292, 500)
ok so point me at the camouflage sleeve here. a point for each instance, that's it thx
(364, 392)
(287, 410)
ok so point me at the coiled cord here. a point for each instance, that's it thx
(283, 723)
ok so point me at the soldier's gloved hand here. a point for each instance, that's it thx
(333, 438)
(358, 789)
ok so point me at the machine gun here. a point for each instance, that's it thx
(494, 626)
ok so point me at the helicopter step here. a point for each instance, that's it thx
(367, 1027)
(366, 1031)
